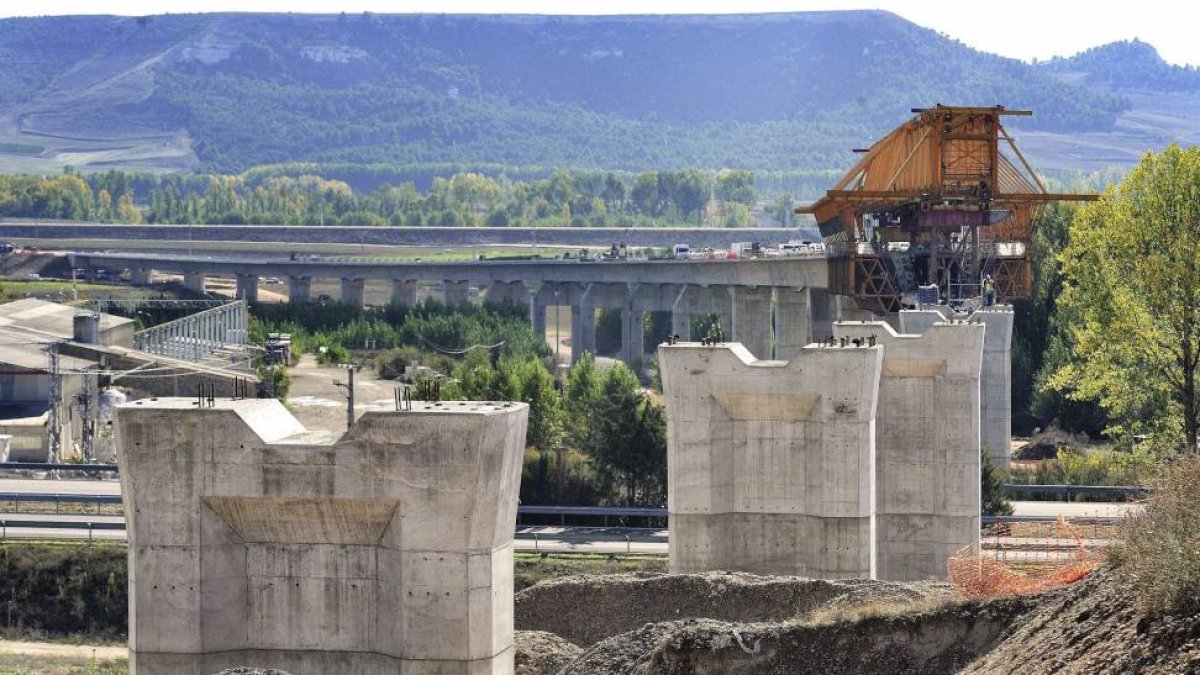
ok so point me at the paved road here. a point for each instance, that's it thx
(62, 486)
(1038, 509)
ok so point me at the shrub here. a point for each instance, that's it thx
(1091, 467)
(1160, 553)
(991, 477)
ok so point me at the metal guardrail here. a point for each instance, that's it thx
(1074, 520)
(1071, 490)
(58, 498)
(42, 466)
(5, 525)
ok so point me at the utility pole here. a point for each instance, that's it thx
(54, 433)
(88, 407)
(349, 385)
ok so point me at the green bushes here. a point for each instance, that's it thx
(1160, 554)
(993, 500)
(1093, 467)
(61, 589)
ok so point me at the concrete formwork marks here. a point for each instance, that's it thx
(254, 542)
(926, 445)
(769, 462)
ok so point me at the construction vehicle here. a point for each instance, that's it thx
(944, 200)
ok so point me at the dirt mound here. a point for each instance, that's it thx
(18, 265)
(588, 609)
(541, 653)
(928, 643)
(1094, 627)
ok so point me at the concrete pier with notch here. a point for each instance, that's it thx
(253, 542)
(770, 463)
(995, 379)
(927, 453)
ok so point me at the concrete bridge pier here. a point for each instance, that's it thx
(793, 323)
(299, 289)
(504, 291)
(751, 319)
(353, 291)
(681, 320)
(823, 310)
(404, 292)
(455, 292)
(194, 281)
(247, 287)
(537, 308)
(583, 325)
(631, 331)
(140, 276)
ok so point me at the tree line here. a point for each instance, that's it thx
(463, 199)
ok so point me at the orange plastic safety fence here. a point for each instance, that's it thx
(1021, 566)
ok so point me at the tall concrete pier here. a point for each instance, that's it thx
(770, 463)
(254, 542)
(927, 491)
(995, 380)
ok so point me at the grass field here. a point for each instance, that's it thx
(21, 664)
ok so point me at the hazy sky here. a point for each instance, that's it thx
(1023, 29)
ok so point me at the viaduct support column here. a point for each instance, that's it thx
(140, 276)
(632, 333)
(247, 287)
(454, 292)
(792, 328)
(353, 291)
(299, 289)
(752, 319)
(681, 320)
(537, 309)
(583, 326)
(502, 291)
(995, 381)
(824, 310)
(404, 292)
(194, 281)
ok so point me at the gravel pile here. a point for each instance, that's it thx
(540, 653)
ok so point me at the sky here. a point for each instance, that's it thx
(1023, 29)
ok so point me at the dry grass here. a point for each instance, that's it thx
(20, 664)
(1159, 556)
(880, 609)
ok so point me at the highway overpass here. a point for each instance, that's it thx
(46, 234)
(772, 305)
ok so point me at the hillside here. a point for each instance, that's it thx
(1129, 65)
(228, 92)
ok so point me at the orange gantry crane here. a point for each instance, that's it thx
(943, 200)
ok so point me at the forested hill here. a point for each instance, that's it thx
(228, 92)
(1125, 65)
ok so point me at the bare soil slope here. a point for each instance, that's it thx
(1094, 627)
(587, 609)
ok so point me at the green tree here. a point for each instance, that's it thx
(781, 210)
(581, 393)
(1131, 295)
(993, 500)
(529, 381)
(628, 441)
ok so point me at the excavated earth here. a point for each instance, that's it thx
(739, 623)
(1095, 627)
(589, 608)
(736, 624)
